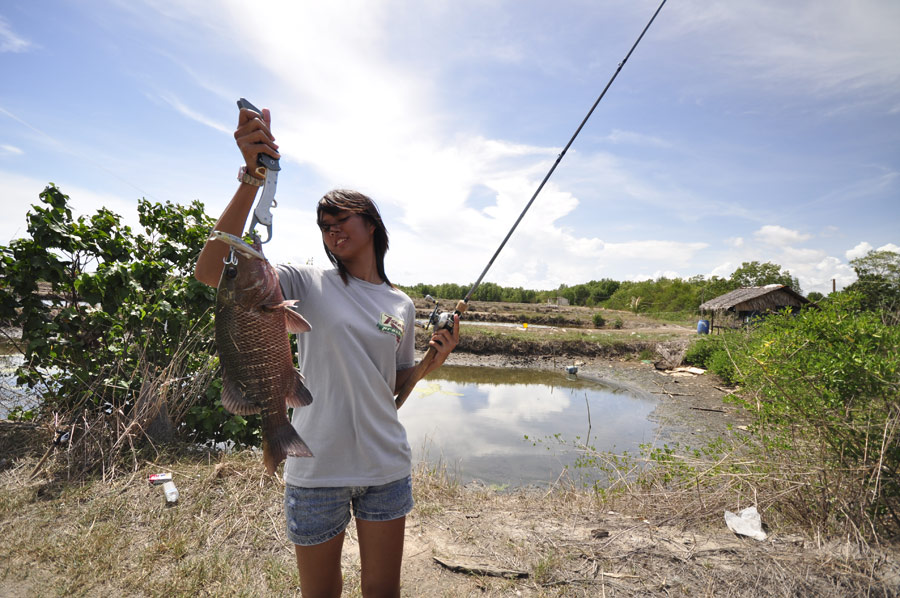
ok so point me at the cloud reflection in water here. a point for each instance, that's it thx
(475, 421)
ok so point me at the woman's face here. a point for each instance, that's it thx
(346, 234)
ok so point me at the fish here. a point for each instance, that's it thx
(252, 322)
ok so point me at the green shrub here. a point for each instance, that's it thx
(714, 354)
(824, 385)
(123, 310)
(701, 350)
(721, 364)
(599, 321)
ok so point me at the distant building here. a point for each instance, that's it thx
(559, 301)
(740, 306)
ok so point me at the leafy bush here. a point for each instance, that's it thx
(120, 309)
(878, 283)
(823, 451)
(701, 350)
(599, 321)
(713, 354)
(721, 364)
(824, 385)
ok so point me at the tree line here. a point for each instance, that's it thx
(877, 284)
(660, 295)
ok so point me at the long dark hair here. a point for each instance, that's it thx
(345, 200)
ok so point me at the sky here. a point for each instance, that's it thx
(736, 131)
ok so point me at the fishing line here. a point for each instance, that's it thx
(445, 320)
(560, 157)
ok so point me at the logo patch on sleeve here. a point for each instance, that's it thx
(391, 325)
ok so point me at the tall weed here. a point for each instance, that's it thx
(824, 385)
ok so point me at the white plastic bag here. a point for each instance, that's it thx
(747, 523)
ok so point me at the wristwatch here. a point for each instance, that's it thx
(248, 179)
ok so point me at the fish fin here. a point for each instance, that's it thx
(299, 395)
(283, 442)
(277, 306)
(295, 322)
(233, 399)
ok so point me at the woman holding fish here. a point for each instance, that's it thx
(359, 350)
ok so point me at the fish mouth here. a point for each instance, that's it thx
(236, 243)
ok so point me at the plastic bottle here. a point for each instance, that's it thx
(171, 492)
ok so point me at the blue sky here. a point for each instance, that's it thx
(737, 131)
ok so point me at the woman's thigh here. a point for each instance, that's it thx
(320, 568)
(381, 556)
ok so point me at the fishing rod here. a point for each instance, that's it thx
(444, 319)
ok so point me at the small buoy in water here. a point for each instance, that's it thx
(571, 369)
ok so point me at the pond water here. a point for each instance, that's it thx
(510, 427)
(503, 427)
(11, 396)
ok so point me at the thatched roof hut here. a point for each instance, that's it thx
(749, 302)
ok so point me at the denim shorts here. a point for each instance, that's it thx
(316, 515)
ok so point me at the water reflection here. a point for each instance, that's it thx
(12, 396)
(475, 420)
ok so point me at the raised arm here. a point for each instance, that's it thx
(253, 136)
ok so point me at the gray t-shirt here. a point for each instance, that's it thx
(362, 333)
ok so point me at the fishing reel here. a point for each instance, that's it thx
(439, 319)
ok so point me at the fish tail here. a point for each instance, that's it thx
(298, 395)
(284, 441)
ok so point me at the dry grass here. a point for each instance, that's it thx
(226, 538)
(99, 434)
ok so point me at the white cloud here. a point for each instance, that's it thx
(170, 99)
(670, 251)
(10, 41)
(19, 193)
(783, 46)
(722, 270)
(10, 150)
(860, 250)
(778, 235)
(815, 269)
(804, 256)
(634, 138)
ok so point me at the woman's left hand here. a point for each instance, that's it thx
(444, 341)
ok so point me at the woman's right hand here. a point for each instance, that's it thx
(254, 136)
